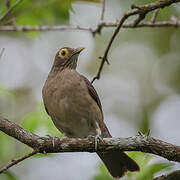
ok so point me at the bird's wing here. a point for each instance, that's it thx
(46, 109)
(94, 95)
(92, 92)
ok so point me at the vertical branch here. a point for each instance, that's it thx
(154, 16)
(103, 10)
(2, 51)
(101, 23)
(8, 4)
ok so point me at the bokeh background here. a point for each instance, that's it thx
(139, 90)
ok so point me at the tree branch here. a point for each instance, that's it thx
(103, 10)
(100, 25)
(136, 10)
(154, 16)
(14, 162)
(172, 176)
(159, 24)
(9, 10)
(140, 142)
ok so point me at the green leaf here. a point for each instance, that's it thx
(7, 175)
(44, 12)
(147, 168)
(40, 123)
(103, 174)
(30, 121)
(7, 145)
(7, 94)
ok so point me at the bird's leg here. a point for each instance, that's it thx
(97, 136)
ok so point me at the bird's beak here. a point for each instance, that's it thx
(78, 50)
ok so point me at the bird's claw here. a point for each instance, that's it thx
(96, 139)
(53, 139)
(140, 133)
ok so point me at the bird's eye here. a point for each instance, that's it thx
(63, 52)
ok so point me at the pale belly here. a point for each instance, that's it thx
(75, 119)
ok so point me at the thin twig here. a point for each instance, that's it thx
(16, 161)
(8, 4)
(104, 58)
(9, 10)
(100, 24)
(159, 24)
(140, 17)
(141, 11)
(2, 51)
(103, 10)
(42, 28)
(154, 16)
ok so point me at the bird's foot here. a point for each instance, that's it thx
(53, 139)
(145, 134)
(96, 139)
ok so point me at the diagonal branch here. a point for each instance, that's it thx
(103, 10)
(104, 58)
(154, 16)
(136, 10)
(14, 162)
(9, 10)
(140, 142)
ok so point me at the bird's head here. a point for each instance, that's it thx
(67, 58)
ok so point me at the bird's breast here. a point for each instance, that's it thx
(71, 108)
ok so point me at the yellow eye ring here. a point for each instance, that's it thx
(63, 53)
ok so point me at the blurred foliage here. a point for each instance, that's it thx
(36, 122)
(40, 123)
(38, 12)
(148, 168)
(7, 94)
(8, 176)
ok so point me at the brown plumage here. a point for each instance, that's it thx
(75, 108)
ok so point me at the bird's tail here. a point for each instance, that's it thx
(118, 163)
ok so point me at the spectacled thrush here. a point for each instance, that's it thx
(75, 108)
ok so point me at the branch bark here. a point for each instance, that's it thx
(158, 24)
(140, 142)
(172, 176)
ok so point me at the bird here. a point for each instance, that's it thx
(75, 108)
